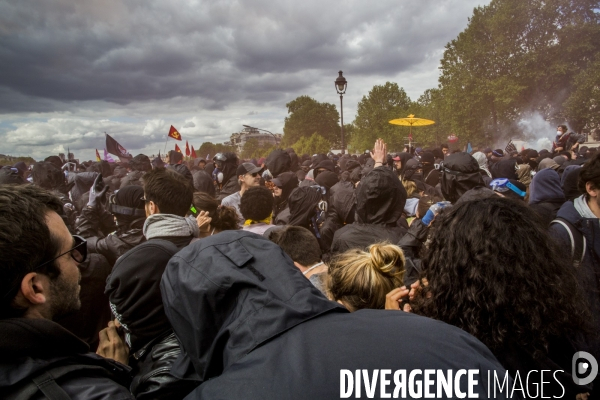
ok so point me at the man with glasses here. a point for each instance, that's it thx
(248, 176)
(39, 282)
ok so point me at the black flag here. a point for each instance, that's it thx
(113, 147)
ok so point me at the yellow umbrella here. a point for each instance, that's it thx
(412, 121)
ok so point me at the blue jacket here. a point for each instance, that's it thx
(588, 273)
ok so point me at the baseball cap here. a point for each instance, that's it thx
(247, 168)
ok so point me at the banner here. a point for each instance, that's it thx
(174, 133)
(113, 147)
(187, 149)
(177, 149)
(98, 156)
(194, 153)
(510, 147)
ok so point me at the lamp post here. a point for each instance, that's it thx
(340, 87)
(264, 130)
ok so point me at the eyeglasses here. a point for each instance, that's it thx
(255, 174)
(144, 199)
(78, 252)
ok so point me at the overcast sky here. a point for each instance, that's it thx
(71, 70)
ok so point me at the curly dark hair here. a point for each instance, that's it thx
(494, 272)
(257, 203)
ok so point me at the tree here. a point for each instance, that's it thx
(583, 106)
(312, 145)
(308, 116)
(515, 57)
(251, 149)
(382, 104)
(211, 149)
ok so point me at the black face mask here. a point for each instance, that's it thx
(417, 176)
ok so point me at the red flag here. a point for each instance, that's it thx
(174, 133)
(177, 149)
(98, 156)
(194, 153)
(187, 149)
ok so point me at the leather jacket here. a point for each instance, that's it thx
(151, 368)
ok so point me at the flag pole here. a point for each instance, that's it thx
(165, 150)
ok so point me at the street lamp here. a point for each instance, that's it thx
(340, 87)
(264, 130)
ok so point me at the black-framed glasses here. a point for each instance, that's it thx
(255, 174)
(144, 199)
(78, 252)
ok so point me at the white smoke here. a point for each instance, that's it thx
(538, 133)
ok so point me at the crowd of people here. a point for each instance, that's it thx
(229, 278)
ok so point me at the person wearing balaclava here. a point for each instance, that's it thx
(285, 183)
(304, 210)
(460, 173)
(114, 240)
(380, 200)
(278, 162)
(225, 174)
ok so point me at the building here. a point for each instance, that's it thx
(265, 139)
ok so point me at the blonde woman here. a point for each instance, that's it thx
(361, 279)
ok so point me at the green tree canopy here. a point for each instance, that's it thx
(382, 104)
(515, 57)
(307, 116)
(312, 145)
(212, 149)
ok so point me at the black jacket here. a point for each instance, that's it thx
(380, 200)
(253, 327)
(28, 347)
(151, 369)
(112, 245)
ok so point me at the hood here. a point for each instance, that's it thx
(504, 169)
(83, 183)
(134, 293)
(545, 187)
(327, 164)
(302, 203)
(278, 162)
(290, 182)
(327, 179)
(380, 197)
(224, 298)
(459, 174)
(568, 212)
(343, 199)
(569, 182)
(404, 157)
(204, 183)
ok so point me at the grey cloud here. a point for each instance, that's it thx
(189, 124)
(127, 51)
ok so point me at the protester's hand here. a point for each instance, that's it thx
(379, 152)
(203, 221)
(433, 211)
(111, 345)
(97, 192)
(397, 298)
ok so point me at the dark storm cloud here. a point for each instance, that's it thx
(256, 51)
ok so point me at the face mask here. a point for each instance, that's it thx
(558, 133)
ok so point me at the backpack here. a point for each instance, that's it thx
(578, 242)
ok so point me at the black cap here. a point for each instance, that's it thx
(247, 168)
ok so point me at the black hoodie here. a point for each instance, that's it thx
(380, 200)
(253, 327)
